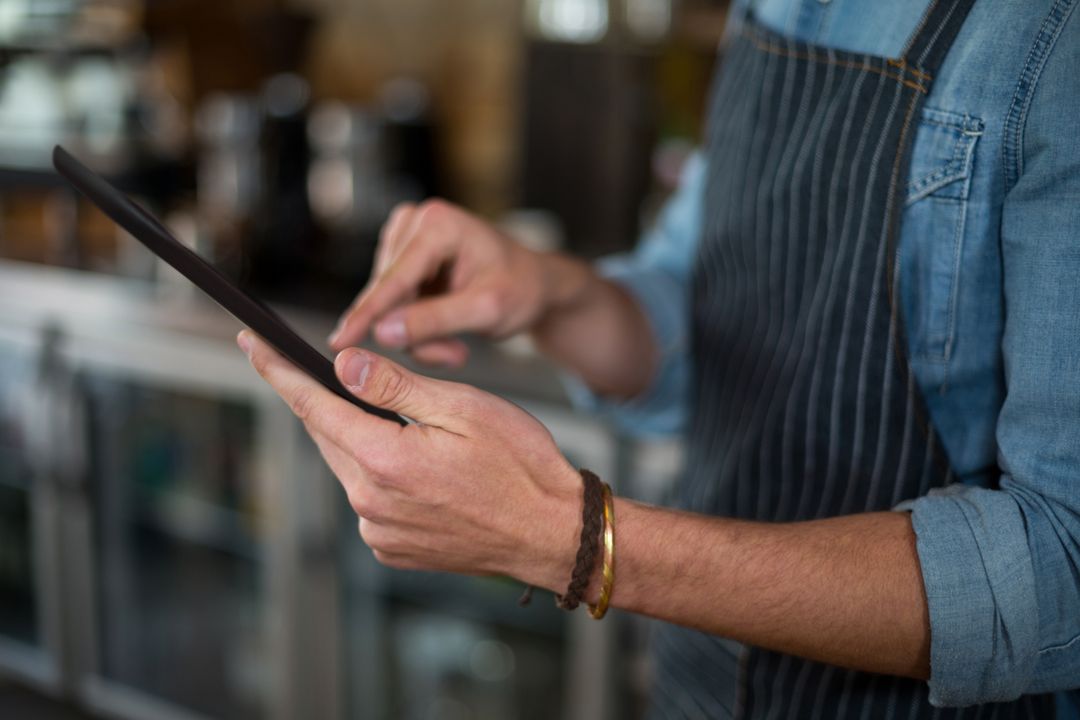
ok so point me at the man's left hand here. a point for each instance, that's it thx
(475, 486)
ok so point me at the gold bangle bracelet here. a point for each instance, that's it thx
(598, 610)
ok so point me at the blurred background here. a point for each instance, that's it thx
(171, 546)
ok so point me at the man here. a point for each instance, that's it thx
(863, 302)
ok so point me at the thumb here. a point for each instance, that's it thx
(383, 383)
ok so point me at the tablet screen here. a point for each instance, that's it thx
(148, 230)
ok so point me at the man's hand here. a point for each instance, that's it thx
(476, 486)
(440, 271)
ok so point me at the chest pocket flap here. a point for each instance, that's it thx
(942, 156)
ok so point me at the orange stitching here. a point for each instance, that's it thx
(902, 64)
(777, 50)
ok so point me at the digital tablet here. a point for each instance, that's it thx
(151, 233)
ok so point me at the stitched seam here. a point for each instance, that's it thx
(938, 343)
(1026, 84)
(935, 181)
(969, 130)
(957, 167)
(919, 74)
(770, 47)
(960, 121)
(903, 65)
(974, 130)
(1063, 646)
(945, 175)
(954, 286)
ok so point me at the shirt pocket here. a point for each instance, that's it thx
(934, 216)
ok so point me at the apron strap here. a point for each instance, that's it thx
(938, 28)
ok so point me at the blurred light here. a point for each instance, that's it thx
(32, 111)
(404, 100)
(228, 120)
(669, 158)
(229, 177)
(11, 14)
(330, 127)
(346, 186)
(571, 20)
(649, 19)
(100, 91)
(285, 94)
(330, 189)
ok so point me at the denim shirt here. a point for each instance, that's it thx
(989, 277)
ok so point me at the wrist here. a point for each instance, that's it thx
(552, 534)
(561, 566)
(565, 282)
(554, 544)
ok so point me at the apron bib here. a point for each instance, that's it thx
(805, 406)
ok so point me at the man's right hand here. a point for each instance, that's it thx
(440, 271)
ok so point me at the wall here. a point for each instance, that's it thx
(469, 54)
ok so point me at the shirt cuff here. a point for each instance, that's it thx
(662, 407)
(980, 588)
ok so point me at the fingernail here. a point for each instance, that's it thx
(332, 337)
(356, 370)
(391, 330)
(244, 341)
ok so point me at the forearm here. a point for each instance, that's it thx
(595, 329)
(846, 591)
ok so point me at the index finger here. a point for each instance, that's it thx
(319, 409)
(394, 234)
(417, 262)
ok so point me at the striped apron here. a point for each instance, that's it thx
(805, 405)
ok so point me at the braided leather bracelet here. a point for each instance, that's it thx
(592, 520)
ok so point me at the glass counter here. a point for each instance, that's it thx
(175, 533)
(19, 619)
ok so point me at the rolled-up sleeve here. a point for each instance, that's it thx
(657, 276)
(1001, 567)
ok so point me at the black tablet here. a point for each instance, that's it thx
(151, 233)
